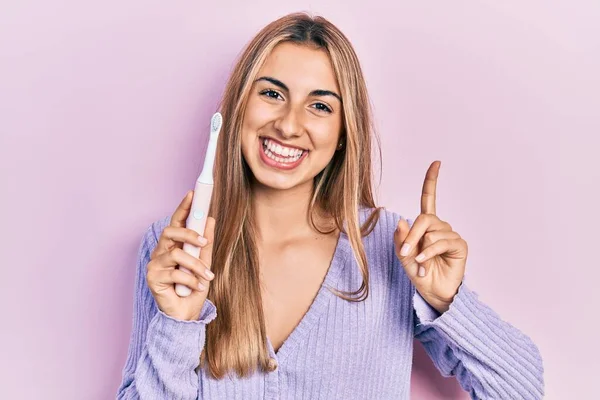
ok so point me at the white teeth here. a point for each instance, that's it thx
(286, 152)
(283, 160)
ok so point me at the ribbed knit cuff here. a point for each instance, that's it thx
(179, 342)
(207, 314)
(463, 306)
(425, 313)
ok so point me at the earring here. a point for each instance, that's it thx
(340, 145)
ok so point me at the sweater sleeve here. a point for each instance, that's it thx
(490, 358)
(163, 351)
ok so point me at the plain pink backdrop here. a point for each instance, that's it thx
(104, 113)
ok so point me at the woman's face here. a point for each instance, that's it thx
(293, 118)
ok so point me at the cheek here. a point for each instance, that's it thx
(257, 114)
(326, 134)
(251, 123)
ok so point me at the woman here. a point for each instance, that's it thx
(319, 293)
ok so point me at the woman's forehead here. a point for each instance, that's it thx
(300, 67)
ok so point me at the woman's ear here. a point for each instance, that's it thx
(342, 140)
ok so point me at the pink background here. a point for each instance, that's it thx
(104, 113)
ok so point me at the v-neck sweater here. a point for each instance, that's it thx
(340, 349)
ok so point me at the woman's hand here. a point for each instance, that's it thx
(168, 254)
(438, 275)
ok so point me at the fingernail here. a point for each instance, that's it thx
(209, 274)
(421, 271)
(420, 257)
(201, 286)
(405, 250)
(202, 240)
(398, 224)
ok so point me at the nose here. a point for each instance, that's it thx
(289, 124)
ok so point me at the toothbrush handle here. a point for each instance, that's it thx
(196, 221)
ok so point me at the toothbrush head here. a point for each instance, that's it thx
(215, 123)
(206, 176)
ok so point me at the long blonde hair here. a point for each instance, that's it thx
(237, 338)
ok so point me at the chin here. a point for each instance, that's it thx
(278, 181)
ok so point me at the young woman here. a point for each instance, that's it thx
(304, 288)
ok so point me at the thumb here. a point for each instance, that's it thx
(209, 234)
(400, 236)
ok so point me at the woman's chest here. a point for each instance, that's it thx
(291, 277)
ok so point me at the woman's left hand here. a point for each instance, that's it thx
(438, 275)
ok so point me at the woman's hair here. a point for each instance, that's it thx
(237, 338)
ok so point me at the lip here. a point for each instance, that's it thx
(272, 163)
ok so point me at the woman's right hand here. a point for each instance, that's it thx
(163, 274)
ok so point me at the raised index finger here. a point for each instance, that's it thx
(183, 210)
(429, 187)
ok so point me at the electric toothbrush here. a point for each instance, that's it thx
(196, 220)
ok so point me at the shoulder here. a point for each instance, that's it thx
(378, 239)
(387, 277)
(385, 221)
(153, 232)
(378, 226)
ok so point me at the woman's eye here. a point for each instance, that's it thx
(322, 107)
(270, 93)
(276, 96)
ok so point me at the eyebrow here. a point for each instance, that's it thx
(316, 92)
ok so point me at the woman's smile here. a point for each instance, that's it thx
(277, 155)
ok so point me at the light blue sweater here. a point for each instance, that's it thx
(340, 349)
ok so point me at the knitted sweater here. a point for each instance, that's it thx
(340, 349)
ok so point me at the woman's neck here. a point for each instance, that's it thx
(282, 214)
